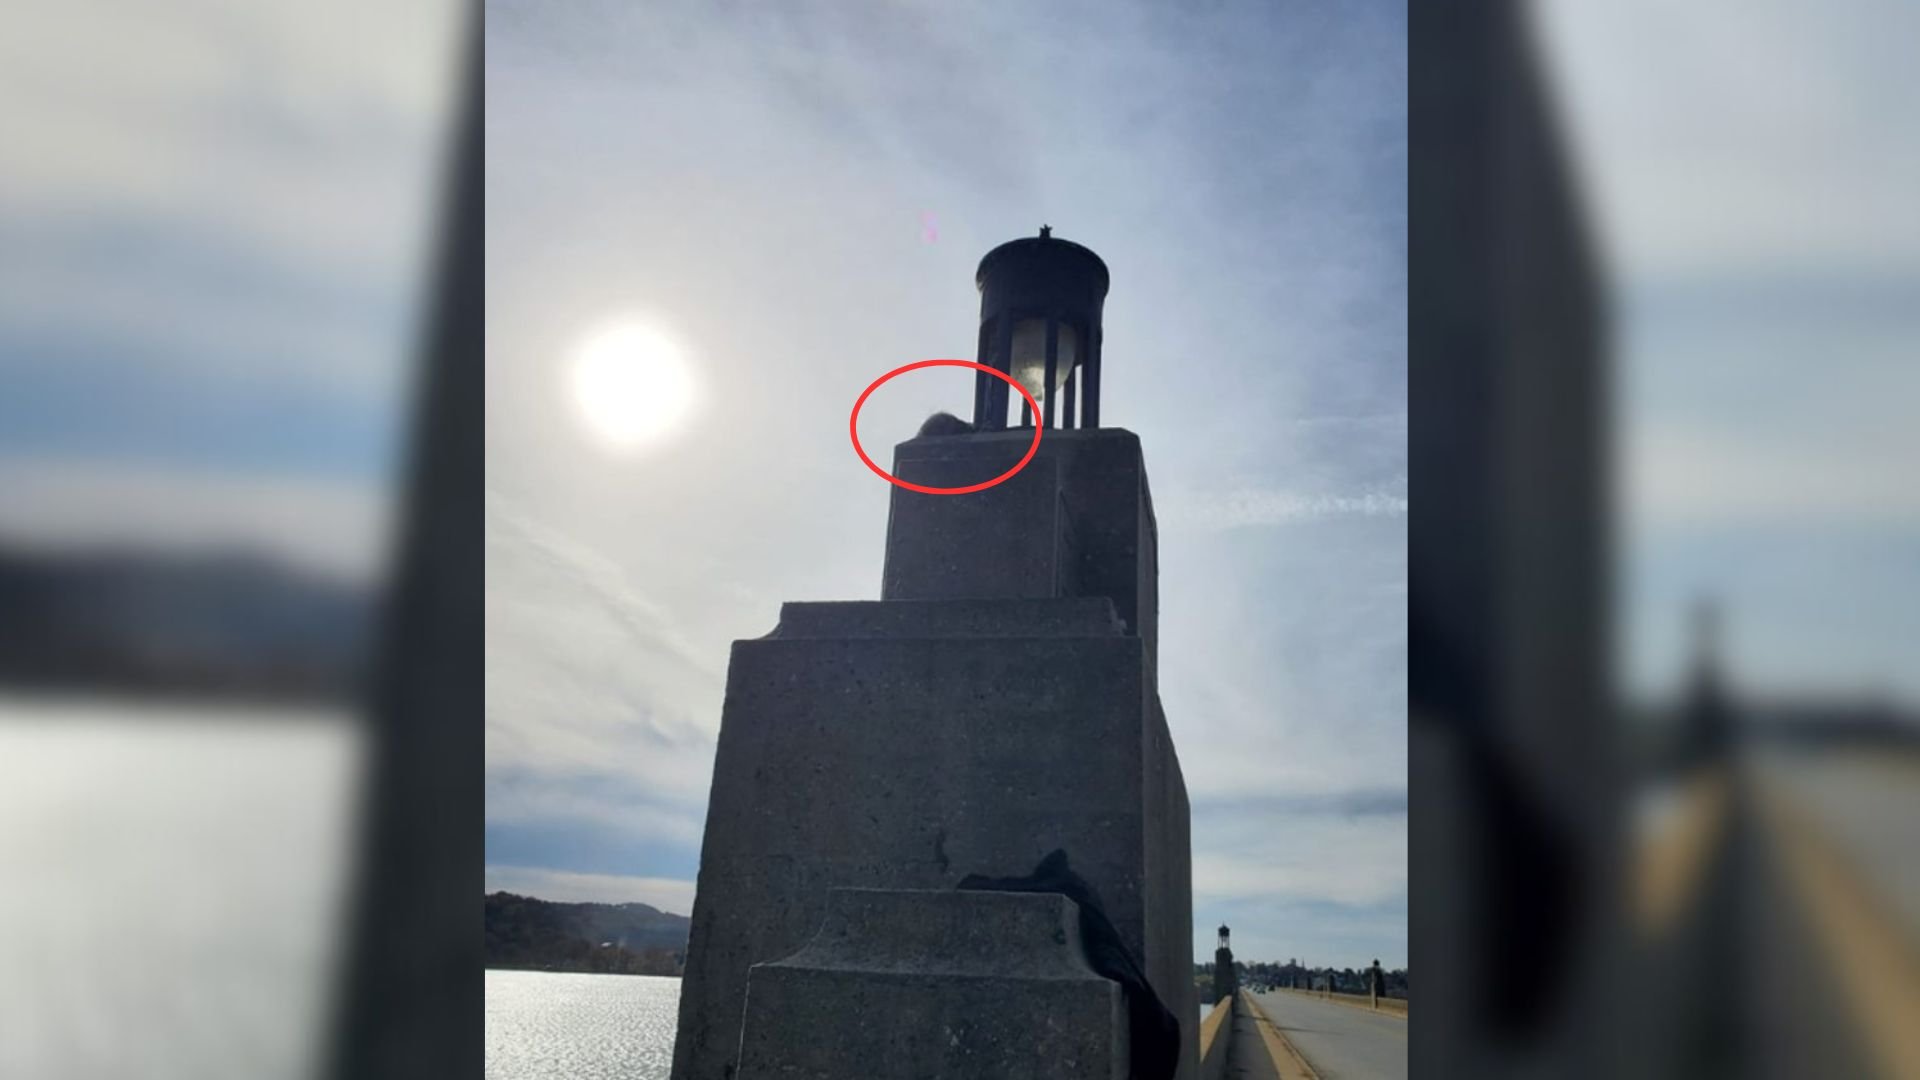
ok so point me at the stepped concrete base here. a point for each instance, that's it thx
(998, 703)
(906, 744)
(936, 985)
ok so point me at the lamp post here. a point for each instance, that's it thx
(1226, 980)
(1040, 302)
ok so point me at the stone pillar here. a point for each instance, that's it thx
(1226, 981)
(999, 702)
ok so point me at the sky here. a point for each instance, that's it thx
(799, 195)
(210, 255)
(210, 249)
(1750, 169)
(214, 217)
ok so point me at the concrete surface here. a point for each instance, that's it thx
(1867, 807)
(910, 761)
(1216, 1032)
(1091, 616)
(1258, 1051)
(1339, 1042)
(1077, 521)
(999, 702)
(899, 985)
(1397, 1006)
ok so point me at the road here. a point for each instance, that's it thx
(1341, 1042)
(1841, 827)
(1866, 808)
(1801, 913)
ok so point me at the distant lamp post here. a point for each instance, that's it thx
(1040, 302)
(1226, 979)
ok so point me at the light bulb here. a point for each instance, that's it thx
(1029, 366)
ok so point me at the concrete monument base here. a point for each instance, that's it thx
(997, 704)
(908, 744)
(936, 985)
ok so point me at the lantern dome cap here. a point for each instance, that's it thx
(1046, 246)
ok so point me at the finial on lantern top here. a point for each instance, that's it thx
(1046, 231)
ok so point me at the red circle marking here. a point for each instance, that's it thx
(853, 427)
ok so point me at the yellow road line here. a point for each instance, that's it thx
(1670, 861)
(1879, 973)
(1287, 1060)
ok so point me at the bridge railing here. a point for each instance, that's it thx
(1365, 1001)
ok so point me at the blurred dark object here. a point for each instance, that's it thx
(1153, 1032)
(1513, 763)
(942, 424)
(412, 1001)
(1706, 722)
(231, 626)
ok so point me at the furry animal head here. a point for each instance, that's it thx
(944, 423)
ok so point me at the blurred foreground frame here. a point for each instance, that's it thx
(1514, 770)
(1713, 888)
(410, 1002)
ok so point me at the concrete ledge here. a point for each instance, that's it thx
(1671, 857)
(916, 984)
(989, 443)
(910, 762)
(1216, 1033)
(1089, 616)
(1388, 1006)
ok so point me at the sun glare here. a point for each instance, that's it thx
(633, 385)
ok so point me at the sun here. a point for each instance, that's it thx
(632, 384)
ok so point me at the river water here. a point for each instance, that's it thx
(549, 1025)
(171, 886)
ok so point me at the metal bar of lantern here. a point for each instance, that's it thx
(1026, 413)
(1066, 399)
(1002, 359)
(981, 379)
(1090, 408)
(1053, 365)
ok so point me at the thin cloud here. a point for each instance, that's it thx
(1239, 509)
(1255, 342)
(586, 677)
(1372, 802)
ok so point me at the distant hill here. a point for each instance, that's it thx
(224, 625)
(625, 939)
